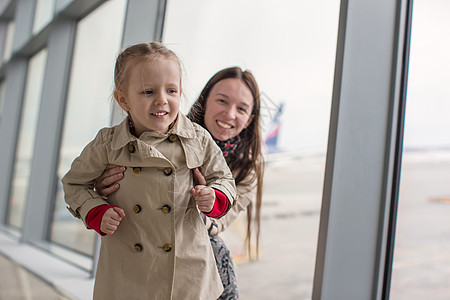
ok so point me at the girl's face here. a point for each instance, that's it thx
(153, 93)
(228, 108)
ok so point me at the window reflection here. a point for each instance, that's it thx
(26, 139)
(421, 254)
(43, 14)
(88, 108)
(290, 48)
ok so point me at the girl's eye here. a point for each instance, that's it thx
(148, 92)
(172, 91)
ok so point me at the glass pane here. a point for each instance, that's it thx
(27, 132)
(289, 46)
(43, 14)
(8, 41)
(421, 267)
(88, 108)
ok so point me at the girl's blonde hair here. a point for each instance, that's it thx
(146, 51)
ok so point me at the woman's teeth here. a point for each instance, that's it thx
(223, 125)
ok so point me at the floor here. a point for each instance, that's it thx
(16, 283)
(31, 273)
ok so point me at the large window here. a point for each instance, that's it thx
(88, 108)
(290, 48)
(421, 255)
(26, 139)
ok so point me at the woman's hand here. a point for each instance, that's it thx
(111, 219)
(203, 195)
(107, 184)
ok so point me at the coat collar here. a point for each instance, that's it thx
(122, 136)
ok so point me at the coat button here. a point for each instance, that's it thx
(167, 247)
(137, 247)
(131, 148)
(136, 170)
(172, 138)
(167, 171)
(137, 208)
(166, 209)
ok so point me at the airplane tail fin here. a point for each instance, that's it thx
(271, 139)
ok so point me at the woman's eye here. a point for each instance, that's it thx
(242, 109)
(221, 101)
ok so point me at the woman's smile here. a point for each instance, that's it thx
(224, 125)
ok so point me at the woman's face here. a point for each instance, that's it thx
(228, 108)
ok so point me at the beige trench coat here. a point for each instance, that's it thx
(161, 249)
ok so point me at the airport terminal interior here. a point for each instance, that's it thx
(354, 119)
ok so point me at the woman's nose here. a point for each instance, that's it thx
(231, 113)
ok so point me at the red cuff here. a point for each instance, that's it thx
(94, 217)
(220, 205)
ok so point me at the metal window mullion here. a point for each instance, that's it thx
(41, 193)
(362, 150)
(9, 128)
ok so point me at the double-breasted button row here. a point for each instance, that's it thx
(138, 247)
(167, 171)
(165, 208)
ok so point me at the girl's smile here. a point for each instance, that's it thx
(160, 115)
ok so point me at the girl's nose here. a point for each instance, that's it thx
(160, 99)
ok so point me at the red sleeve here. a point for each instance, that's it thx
(220, 205)
(94, 217)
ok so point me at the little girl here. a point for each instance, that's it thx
(154, 242)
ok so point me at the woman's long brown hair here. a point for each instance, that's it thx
(247, 158)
